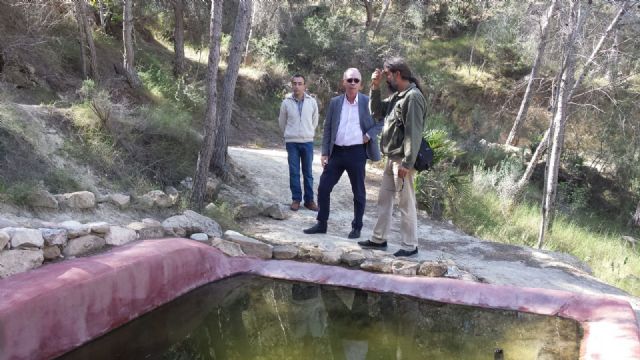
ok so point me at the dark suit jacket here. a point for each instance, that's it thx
(368, 125)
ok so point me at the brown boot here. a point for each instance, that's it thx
(311, 206)
(295, 205)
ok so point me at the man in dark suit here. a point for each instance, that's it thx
(349, 139)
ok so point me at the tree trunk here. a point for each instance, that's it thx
(524, 106)
(246, 48)
(587, 66)
(101, 12)
(635, 220)
(387, 3)
(578, 16)
(240, 30)
(211, 120)
(86, 41)
(127, 39)
(178, 38)
(537, 155)
(81, 30)
(614, 55)
(369, 9)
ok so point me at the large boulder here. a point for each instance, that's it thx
(285, 251)
(42, 199)
(78, 200)
(4, 239)
(54, 236)
(227, 247)
(51, 252)
(17, 261)
(191, 222)
(99, 227)
(243, 205)
(74, 228)
(83, 245)
(120, 200)
(118, 235)
(277, 211)
(147, 229)
(157, 198)
(26, 238)
(249, 246)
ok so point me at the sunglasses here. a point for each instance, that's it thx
(353, 81)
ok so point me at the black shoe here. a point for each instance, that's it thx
(318, 228)
(371, 244)
(403, 252)
(354, 234)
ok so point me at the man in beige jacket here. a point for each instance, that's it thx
(298, 121)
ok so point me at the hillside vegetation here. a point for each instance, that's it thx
(64, 132)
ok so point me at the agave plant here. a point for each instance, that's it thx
(440, 189)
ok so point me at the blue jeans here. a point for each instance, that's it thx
(300, 153)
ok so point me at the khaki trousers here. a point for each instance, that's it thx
(392, 185)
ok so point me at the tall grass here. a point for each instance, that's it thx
(481, 215)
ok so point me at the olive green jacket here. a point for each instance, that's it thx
(403, 114)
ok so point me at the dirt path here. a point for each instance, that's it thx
(494, 263)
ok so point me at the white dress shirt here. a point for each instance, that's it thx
(349, 131)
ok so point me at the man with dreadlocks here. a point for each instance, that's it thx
(404, 113)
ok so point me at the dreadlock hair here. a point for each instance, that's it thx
(399, 64)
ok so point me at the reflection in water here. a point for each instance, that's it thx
(256, 318)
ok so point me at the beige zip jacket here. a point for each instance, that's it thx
(298, 127)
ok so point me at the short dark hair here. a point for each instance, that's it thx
(399, 64)
(299, 76)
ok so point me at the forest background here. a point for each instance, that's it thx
(135, 88)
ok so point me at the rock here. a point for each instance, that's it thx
(147, 229)
(83, 245)
(353, 258)
(277, 211)
(247, 210)
(285, 251)
(249, 246)
(382, 265)
(331, 257)
(119, 236)
(51, 252)
(212, 187)
(74, 228)
(403, 267)
(156, 198)
(243, 205)
(120, 200)
(312, 252)
(432, 269)
(227, 247)
(171, 191)
(42, 199)
(17, 261)
(210, 208)
(631, 241)
(54, 236)
(26, 238)
(187, 183)
(99, 227)
(4, 239)
(191, 222)
(7, 223)
(200, 237)
(78, 200)
(101, 199)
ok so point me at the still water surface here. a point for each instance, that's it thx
(249, 317)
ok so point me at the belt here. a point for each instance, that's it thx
(347, 147)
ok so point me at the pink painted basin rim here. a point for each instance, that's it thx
(56, 308)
